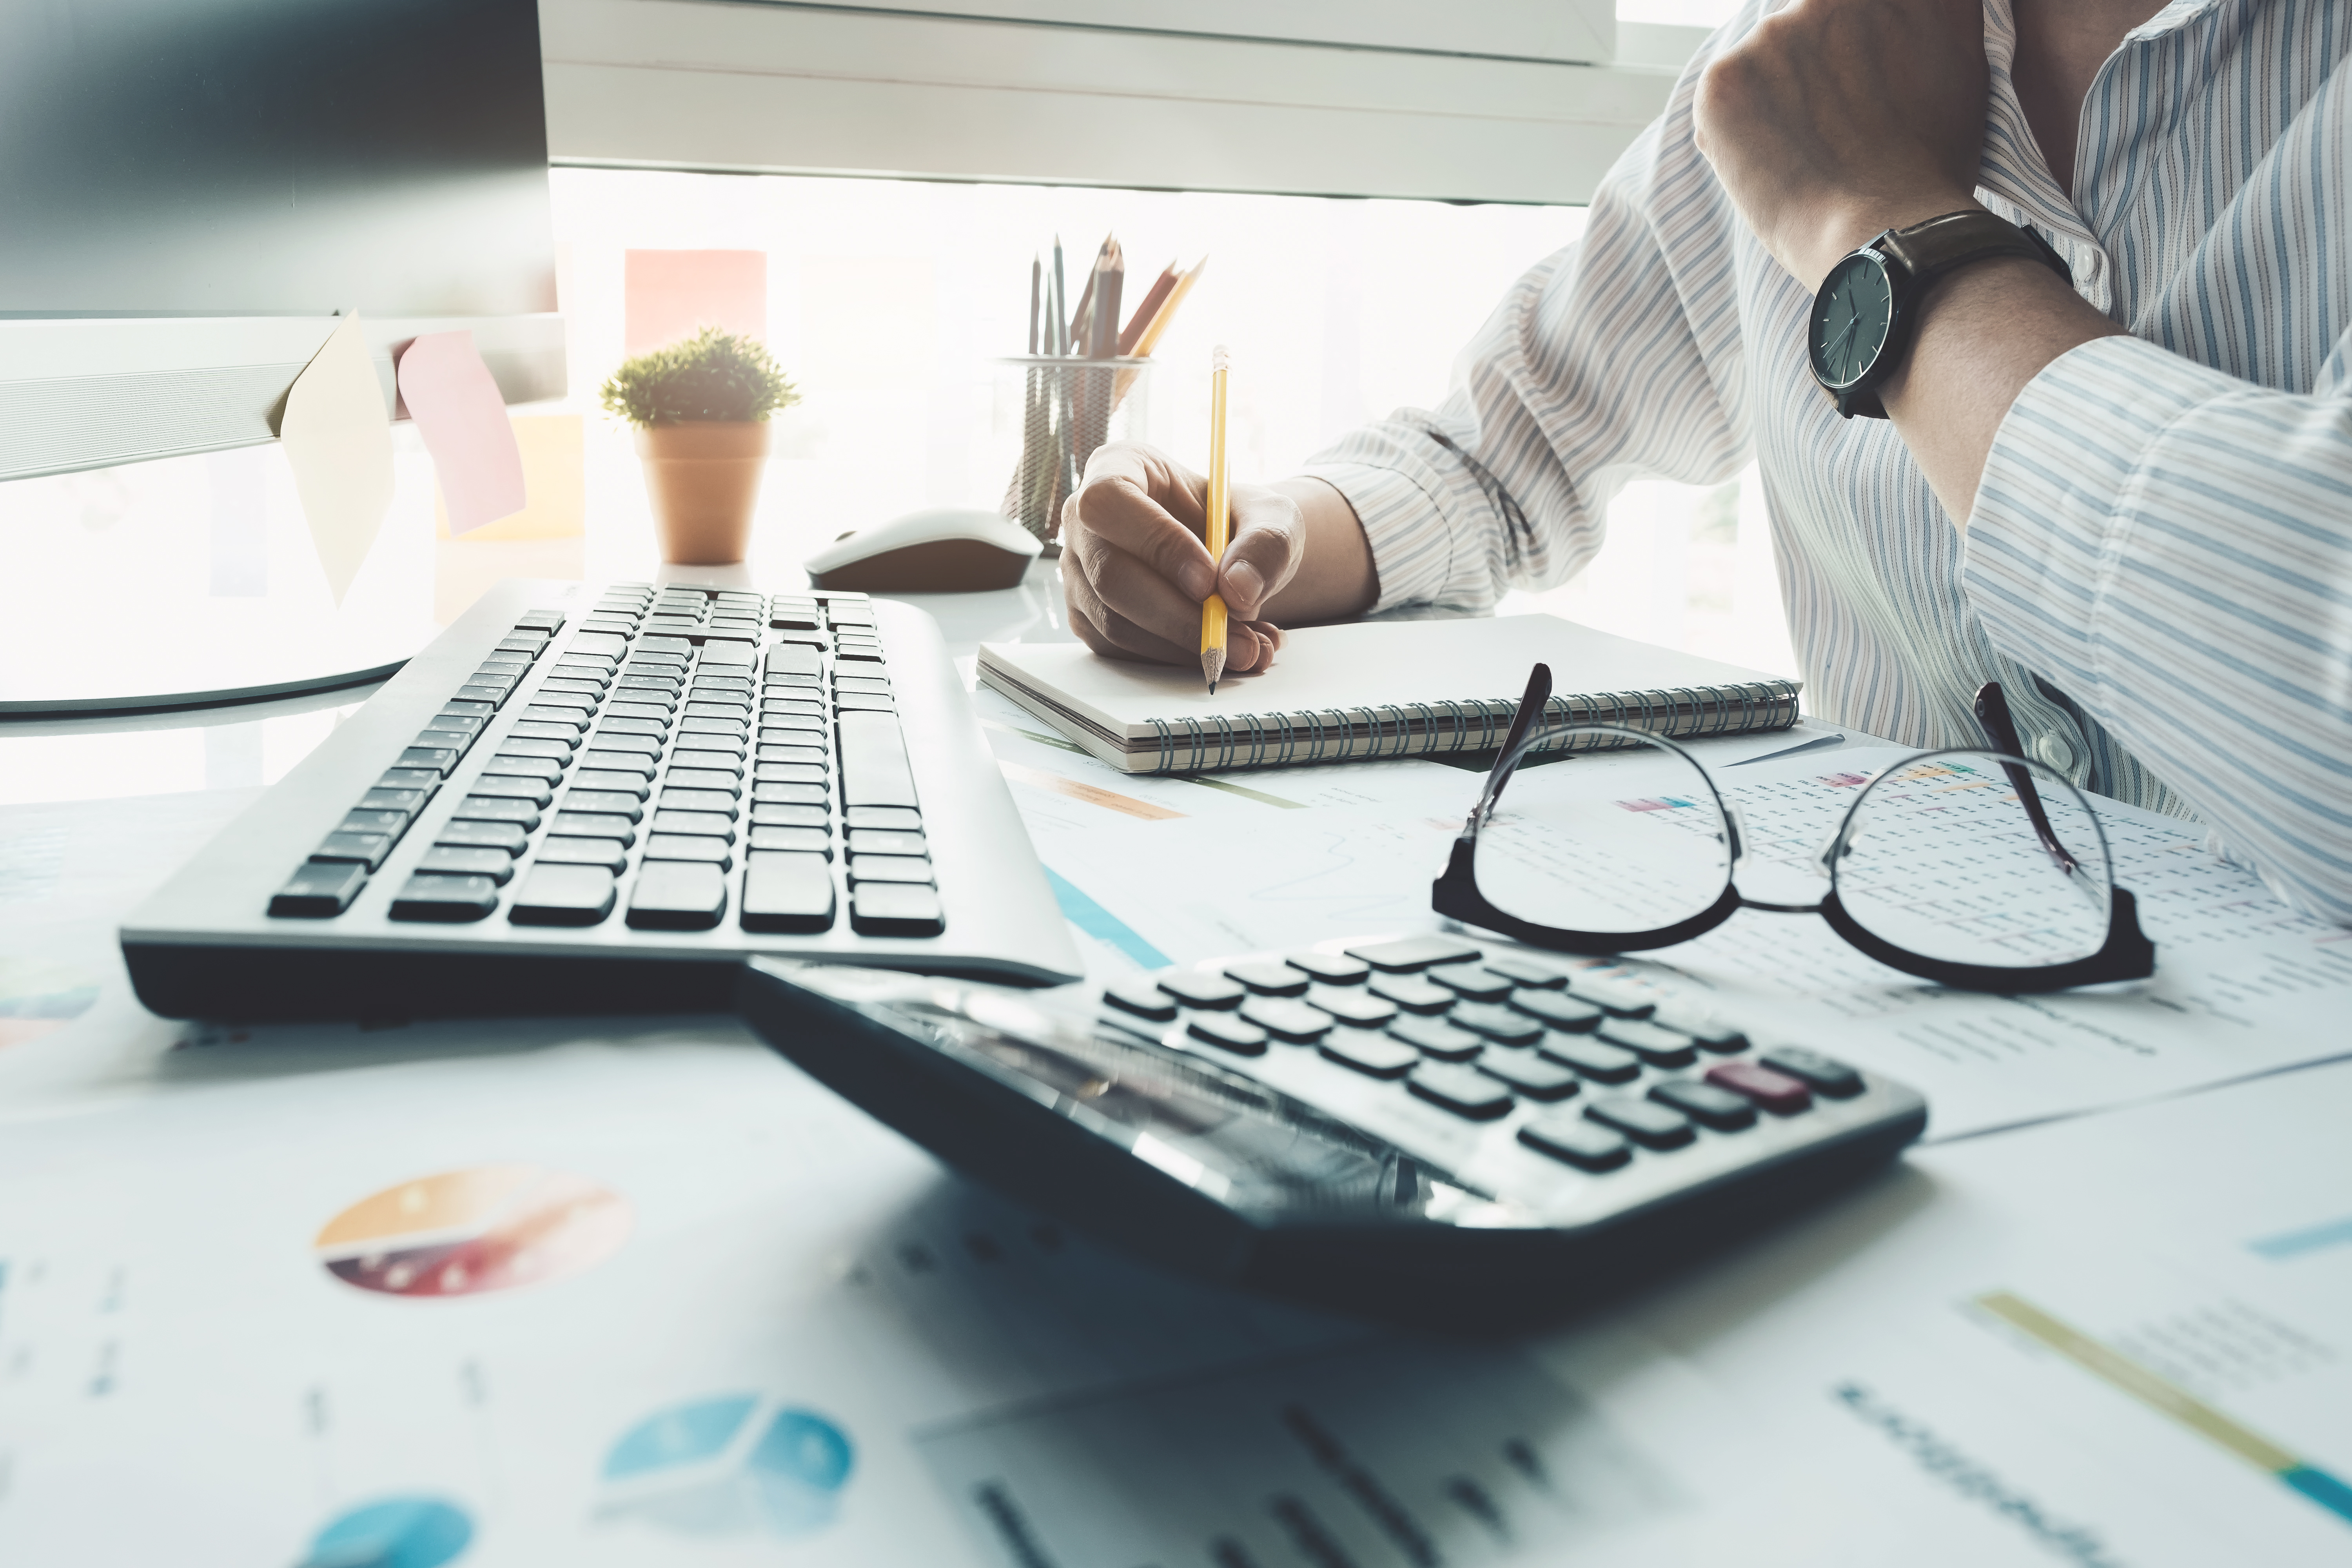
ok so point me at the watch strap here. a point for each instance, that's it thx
(1940, 245)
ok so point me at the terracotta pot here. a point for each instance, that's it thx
(703, 479)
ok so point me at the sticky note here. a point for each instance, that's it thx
(459, 411)
(554, 470)
(672, 294)
(336, 434)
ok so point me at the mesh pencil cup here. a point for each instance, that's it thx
(1068, 407)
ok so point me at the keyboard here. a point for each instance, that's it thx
(1453, 1132)
(583, 798)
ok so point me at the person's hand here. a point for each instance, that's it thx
(1838, 119)
(1134, 568)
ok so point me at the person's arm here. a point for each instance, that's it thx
(2169, 544)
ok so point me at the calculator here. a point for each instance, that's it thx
(1428, 1128)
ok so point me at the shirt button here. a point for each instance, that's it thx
(2054, 751)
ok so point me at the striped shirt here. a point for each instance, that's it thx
(2158, 568)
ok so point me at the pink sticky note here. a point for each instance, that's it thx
(671, 294)
(456, 403)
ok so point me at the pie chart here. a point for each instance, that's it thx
(396, 1532)
(38, 995)
(469, 1231)
(740, 1464)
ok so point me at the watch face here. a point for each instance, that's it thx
(1851, 316)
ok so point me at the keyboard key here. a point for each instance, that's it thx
(874, 841)
(717, 800)
(1529, 1074)
(890, 868)
(1653, 1043)
(462, 720)
(730, 731)
(644, 708)
(1775, 1092)
(539, 729)
(1472, 982)
(791, 816)
(425, 779)
(1329, 968)
(497, 809)
(390, 824)
(1564, 1135)
(1601, 1063)
(893, 819)
(1705, 1104)
(1196, 989)
(679, 846)
(597, 825)
(894, 909)
(1141, 998)
(1268, 979)
(507, 835)
(1438, 1038)
(1561, 1011)
(787, 773)
(618, 803)
(474, 691)
(319, 891)
(1500, 1024)
(440, 759)
(555, 751)
(1370, 1053)
(1465, 1092)
(678, 895)
(1357, 1007)
(701, 778)
(1229, 1034)
(443, 740)
(794, 659)
(535, 791)
(1525, 971)
(451, 898)
(1824, 1075)
(611, 740)
(563, 896)
(709, 823)
(644, 728)
(807, 756)
(800, 840)
(1293, 1021)
(791, 795)
(787, 892)
(551, 694)
(524, 767)
(849, 701)
(1414, 954)
(633, 786)
(641, 767)
(366, 849)
(609, 853)
(445, 860)
(698, 706)
(1651, 1125)
(874, 770)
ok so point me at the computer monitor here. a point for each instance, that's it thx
(193, 191)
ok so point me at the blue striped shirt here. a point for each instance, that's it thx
(2159, 568)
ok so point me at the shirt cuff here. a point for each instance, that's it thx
(1423, 553)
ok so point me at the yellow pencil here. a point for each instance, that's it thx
(1212, 608)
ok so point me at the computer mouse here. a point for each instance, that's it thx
(948, 550)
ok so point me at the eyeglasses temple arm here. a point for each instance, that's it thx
(1531, 704)
(1992, 713)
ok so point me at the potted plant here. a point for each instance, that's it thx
(701, 407)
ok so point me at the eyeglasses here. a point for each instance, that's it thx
(1979, 869)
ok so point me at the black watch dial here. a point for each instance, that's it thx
(1850, 317)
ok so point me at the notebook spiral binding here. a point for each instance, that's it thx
(1283, 737)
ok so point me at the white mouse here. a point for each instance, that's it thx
(949, 550)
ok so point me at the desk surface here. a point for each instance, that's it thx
(720, 1316)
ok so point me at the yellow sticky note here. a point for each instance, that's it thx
(554, 476)
(337, 434)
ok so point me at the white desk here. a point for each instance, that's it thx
(938, 1375)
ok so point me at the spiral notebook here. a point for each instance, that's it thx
(1378, 688)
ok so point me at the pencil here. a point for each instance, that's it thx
(1212, 608)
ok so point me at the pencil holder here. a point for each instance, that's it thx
(1068, 407)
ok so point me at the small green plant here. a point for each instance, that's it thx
(710, 375)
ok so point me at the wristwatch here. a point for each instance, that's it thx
(1863, 316)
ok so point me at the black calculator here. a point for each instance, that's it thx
(1426, 1129)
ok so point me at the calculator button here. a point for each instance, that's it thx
(1436, 1038)
(1267, 978)
(1139, 997)
(1566, 1136)
(1721, 1041)
(1775, 1092)
(1357, 1007)
(1195, 989)
(1705, 1104)
(1653, 1043)
(1560, 1012)
(1527, 972)
(1462, 1090)
(1529, 1074)
(1824, 1075)
(1414, 954)
(1646, 1123)
(1473, 982)
(319, 890)
(1412, 994)
(1370, 1053)
(1497, 1024)
(563, 896)
(1286, 1020)
(1599, 1062)
(1231, 1033)
(1328, 969)
(1622, 997)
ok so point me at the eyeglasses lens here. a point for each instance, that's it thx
(1945, 858)
(1627, 840)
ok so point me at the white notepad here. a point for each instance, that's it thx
(1378, 688)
